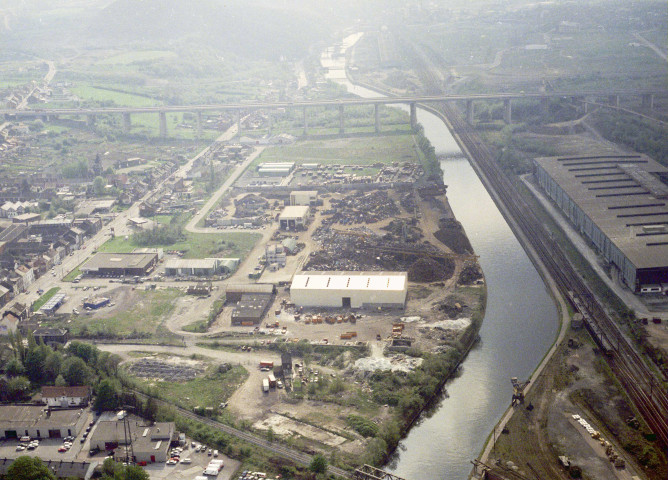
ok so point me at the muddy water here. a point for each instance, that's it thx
(521, 320)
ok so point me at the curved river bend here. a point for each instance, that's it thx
(521, 320)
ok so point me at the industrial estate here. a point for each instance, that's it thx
(404, 255)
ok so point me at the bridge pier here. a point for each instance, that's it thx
(376, 117)
(199, 124)
(127, 122)
(613, 100)
(90, 121)
(163, 124)
(270, 123)
(341, 122)
(238, 122)
(305, 121)
(413, 109)
(545, 105)
(470, 111)
(507, 111)
(648, 101)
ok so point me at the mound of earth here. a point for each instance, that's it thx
(429, 270)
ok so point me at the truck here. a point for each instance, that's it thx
(266, 364)
(265, 385)
(272, 380)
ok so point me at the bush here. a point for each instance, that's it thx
(362, 425)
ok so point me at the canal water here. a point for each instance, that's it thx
(521, 321)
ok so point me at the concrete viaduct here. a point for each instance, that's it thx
(647, 99)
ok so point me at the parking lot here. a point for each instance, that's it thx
(199, 461)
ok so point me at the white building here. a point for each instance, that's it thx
(350, 289)
(293, 217)
(65, 397)
(304, 197)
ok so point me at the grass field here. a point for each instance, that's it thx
(196, 245)
(345, 151)
(144, 317)
(138, 57)
(208, 390)
(44, 298)
(101, 94)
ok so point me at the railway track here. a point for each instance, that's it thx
(643, 385)
(276, 448)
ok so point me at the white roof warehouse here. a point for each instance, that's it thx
(350, 289)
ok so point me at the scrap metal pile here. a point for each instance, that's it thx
(363, 250)
(365, 208)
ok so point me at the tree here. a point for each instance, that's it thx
(60, 381)
(29, 468)
(14, 368)
(75, 371)
(99, 185)
(52, 365)
(34, 363)
(106, 396)
(18, 387)
(133, 472)
(318, 464)
(87, 352)
(151, 409)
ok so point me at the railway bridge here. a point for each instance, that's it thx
(612, 97)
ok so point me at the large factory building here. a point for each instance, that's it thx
(350, 289)
(618, 203)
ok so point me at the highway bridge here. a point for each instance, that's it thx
(613, 97)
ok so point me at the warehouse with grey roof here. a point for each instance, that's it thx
(120, 264)
(620, 204)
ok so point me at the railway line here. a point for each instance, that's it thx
(643, 385)
(298, 457)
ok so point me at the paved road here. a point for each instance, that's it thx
(191, 226)
(661, 53)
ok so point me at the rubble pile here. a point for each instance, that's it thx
(250, 206)
(451, 233)
(470, 274)
(402, 230)
(429, 270)
(366, 208)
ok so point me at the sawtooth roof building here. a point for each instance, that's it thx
(620, 204)
(350, 289)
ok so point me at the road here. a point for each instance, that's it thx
(191, 226)
(651, 46)
(117, 224)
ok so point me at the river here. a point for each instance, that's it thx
(521, 321)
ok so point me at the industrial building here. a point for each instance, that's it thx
(293, 218)
(150, 444)
(120, 264)
(619, 204)
(202, 267)
(251, 309)
(234, 292)
(62, 469)
(36, 421)
(304, 197)
(350, 289)
(275, 169)
(53, 304)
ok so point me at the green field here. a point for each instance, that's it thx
(138, 57)
(101, 94)
(142, 318)
(195, 245)
(345, 151)
(208, 390)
